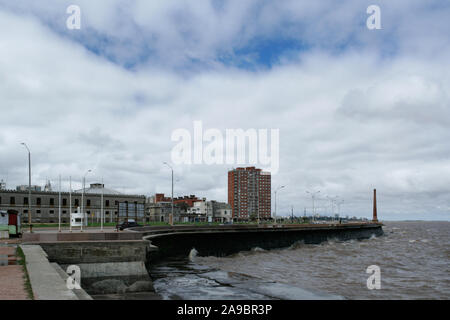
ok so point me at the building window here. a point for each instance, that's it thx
(77, 202)
(52, 212)
(12, 201)
(25, 211)
(107, 213)
(52, 201)
(38, 201)
(107, 203)
(64, 202)
(25, 200)
(64, 212)
(88, 202)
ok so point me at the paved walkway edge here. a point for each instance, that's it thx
(80, 293)
(46, 282)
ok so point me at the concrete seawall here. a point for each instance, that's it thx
(117, 263)
(107, 267)
(47, 280)
(225, 240)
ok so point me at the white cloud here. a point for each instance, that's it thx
(348, 122)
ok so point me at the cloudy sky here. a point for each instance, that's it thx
(357, 109)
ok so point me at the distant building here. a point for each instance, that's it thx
(26, 187)
(45, 206)
(201, 211)
(249, 193)
(160, 211)
(159, 208)
(188, 200)
(210, 211)
(221, 211)
(187, 209)
(48, 186)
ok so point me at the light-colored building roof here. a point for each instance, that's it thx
(98, 188)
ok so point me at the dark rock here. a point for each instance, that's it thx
(109, 286)
(141, 286)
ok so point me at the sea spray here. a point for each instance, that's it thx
(193, 255)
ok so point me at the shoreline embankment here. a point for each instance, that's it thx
(118, 262)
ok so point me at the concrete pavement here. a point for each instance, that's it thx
(46, 283)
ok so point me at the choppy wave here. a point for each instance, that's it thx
(192, 255)
(414, 253)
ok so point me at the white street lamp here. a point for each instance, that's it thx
(313, 196)
(171, 220)
(29, 186)
(275, 215)
(82, 198)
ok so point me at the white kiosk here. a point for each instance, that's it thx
(76, 219)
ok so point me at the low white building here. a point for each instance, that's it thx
(201, 211)
(211, 211)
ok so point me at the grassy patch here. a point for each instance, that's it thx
(25, 226)
(23, 263)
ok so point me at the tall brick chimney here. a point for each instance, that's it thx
(375, 219)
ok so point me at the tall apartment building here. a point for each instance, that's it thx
(249, 193)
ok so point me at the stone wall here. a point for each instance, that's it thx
(107, 267)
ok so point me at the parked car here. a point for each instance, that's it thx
(126, 225)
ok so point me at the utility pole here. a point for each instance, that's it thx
(29, 187)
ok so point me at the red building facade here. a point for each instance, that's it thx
(189, 200)
(249, 193)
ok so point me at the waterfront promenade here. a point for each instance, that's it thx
(117, 261)
(12, 276)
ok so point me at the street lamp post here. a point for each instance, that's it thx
(59, 205)
(101, 210)
(29, 186)
(339, 207)
(171, 219)
(276, 190)
(313, 196)
(333, 203)
(82, 198)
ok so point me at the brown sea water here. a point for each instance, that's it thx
(414, 259)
